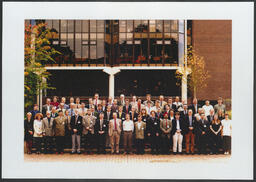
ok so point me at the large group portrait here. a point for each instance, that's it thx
(108, 91)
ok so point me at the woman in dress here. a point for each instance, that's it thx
(215, 135)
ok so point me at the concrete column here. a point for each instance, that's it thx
(184, 89)
(111, 86)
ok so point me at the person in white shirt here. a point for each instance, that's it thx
(128, 128)
(82, 109)
(148, 107)
(38, 132)
(134, 101)
(177, 104)
(207, 107)
(226, 133)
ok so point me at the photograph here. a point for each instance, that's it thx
(107, 90)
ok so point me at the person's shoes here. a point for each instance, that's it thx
(211, 153)
(174, 153)
(125, 153)
(112, 152)
(180, 153)
(78, 152)
(73, 152)
(117, 152)
(56, 152)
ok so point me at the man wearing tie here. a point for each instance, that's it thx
(120, 114)
(190, 126)
(133, 114)
(88, 130)
(96, 100)
(76, 125)
(162, 103)
(48, 133)
(184, 113)
(127, 107)
(177, 133)
(211, 115)
(101, 131)
(203, 130)
(114, 133)
(166, 127)
(47, 106)
(71, 111)
(108, 117)
(195, 107)
(54, 113)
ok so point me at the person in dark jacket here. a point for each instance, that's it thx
(28, 128)
(154, 133)
(76, 125)
(203, 132)
(101, 130)
(190, 128)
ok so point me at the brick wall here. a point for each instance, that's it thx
(212, 39)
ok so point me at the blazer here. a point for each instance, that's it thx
(129, 109)
(186, 124)
(48, 127)
(108, 118)
(104, 127)
(139, 132)
(88, 121)
(114, 108)
(174, 126)
(59, 125)
(153, 126)
(44, 109)
(209, 118)
(135, 116)
(111, 126)
(203, 126)
(76, 124)
(167, 128)
(183, 114)
(121, 116)
(28, 126)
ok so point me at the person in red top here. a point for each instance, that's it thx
(55, 102)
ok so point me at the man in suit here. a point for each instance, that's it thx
(195, 107)
(47, 106)
(140, 128)
(166, 127)
(211, 115)
(133, 114)
(108, 116)
(59, 125)
(121, 102)
(96, 100)
(48, 133)
(54, 113)
(139, 106)
(128, 127)
(114, 132)
(177, 104)
(110, 101)
(159, 114)
(34, 111)
(90, 103)
(162, 103)
(93, 112)
(88, 130)
(220, 106)
(83, 109)
(148, 99)
(76, 125)
(62, 108)
(134, 101)
(177, 133)
(104, 105)
(63, 101)
(153, 128)
(127, 107)
(114, 107)
(190, 128)
(203, 131)
(184, 112)
(101, 130)
(71, 110)
(170, 103)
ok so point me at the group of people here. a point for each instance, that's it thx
(109, 123)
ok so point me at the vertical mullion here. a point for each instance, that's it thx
(104, 36)
(163, 61)
(89, 41)
(74, 41)
(133, 42)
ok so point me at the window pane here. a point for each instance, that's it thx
(78, 45)
(122, 26)
(129, 36)
(100, 25)
(55, 25)
(167, 35)
(78, 26)
(152, 26)
(174, 25)
(100, 49)
(85, 52)
(137, 24)
(100, 36)
(63, 36)
(71, 40)
(167, 26)
(145, 26)
(85, 36)
(93, 36)
(85, 25)
(159, 26)
(122, 37)
(93, 52)
(181, 49)
(92, 25)
(129, 25)
(70, 25)
(63, 26)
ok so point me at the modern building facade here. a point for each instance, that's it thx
(136, 57)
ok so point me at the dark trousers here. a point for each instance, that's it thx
(38, 143)
(155, 143)
(101, 143)
(140, 146)
(89, 141)
(48, 144)
(215, 143)
(202, 143)
(29, 143)
(60, 140)
(226, 143)
(165, 144)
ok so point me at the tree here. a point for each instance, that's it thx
(37, 52)
(195, 69)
